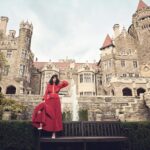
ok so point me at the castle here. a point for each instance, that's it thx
(112, 87)
(125, 63)
(16, 73)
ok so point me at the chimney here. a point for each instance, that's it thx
(3, 24)
(116, 29)
(12, 33)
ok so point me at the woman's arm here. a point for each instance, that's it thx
(63, 83)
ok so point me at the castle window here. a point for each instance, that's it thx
(99, 80)
(93, 78)
(124, 75)
(9, 53)
(135, 64)
(130, 74)
(112, 92)
(109, 63)
(129, 51)
(108, 76)
(88, 93)
(105, 65)
(127, 92)
(11, 89)
(81, 93)
(140, 90)
(22, 69)
(23, 54)
(136, 75)
(123, 52)
(122, 63)
(6, 70)
(81, 78)
(87, 77)
(27, 41)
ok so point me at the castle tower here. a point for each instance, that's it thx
(141, 20)
(25, 35)
(107, 61)
(141, 23)
(24, 55)
(3, 24)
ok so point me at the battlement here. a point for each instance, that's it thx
(8, 44)
(26, 25)
(3, 18)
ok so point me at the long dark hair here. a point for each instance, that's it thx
(51, 80)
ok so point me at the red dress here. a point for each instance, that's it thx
(48, 112)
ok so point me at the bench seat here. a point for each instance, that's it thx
(85, 139)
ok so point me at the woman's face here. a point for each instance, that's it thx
(54, 79)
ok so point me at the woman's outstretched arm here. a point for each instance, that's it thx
(63, 83)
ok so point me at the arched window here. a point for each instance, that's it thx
(0, 89)
(127, 92)
(11, 89)
(139, 91)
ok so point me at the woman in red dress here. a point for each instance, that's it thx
(47, 115)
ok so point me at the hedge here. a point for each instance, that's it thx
(17, 135)
(20, 135)
(139, 135)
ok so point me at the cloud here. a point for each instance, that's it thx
(73, 28)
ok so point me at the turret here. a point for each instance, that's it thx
(107, 43)
(3, 24)
(25, 35)
(141, 26)
(141, 20)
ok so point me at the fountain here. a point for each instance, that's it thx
(75, 116)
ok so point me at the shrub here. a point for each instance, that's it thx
(83, 115)
(67, 116)
(11, 105)
(139, 135)
(20, 135)
(17, 135)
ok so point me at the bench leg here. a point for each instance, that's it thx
(84, 145)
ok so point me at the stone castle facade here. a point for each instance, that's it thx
(83, 74)
(16, 73)
(125, 63)
(110, 89)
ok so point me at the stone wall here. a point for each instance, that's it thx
(100, 108)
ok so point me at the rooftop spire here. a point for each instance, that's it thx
(107, 42)
(141, 5)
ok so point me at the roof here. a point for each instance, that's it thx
(108, 42)
(60, 65)
(141, 5)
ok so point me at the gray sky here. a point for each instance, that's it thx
(69, 28)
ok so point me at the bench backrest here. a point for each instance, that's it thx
(92, 128)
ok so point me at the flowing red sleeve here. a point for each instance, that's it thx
(46, 92)
(63, 84)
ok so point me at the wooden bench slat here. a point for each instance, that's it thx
(86, 139)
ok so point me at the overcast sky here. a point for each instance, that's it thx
(69, 28)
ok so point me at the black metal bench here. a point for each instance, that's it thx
(87, 133)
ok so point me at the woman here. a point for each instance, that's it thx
(47, 115)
